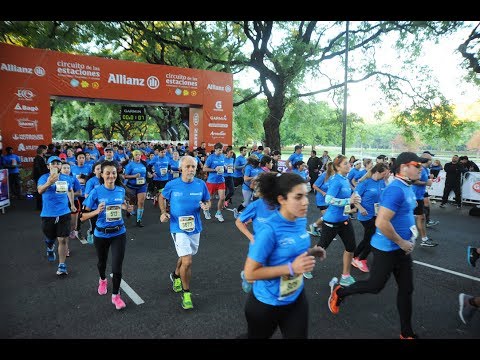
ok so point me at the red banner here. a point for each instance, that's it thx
(30, 77)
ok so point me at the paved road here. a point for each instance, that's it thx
(37, 304)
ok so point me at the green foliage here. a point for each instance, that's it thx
(433, 123)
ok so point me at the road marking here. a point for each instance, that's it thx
(447, 271)
(130, 292)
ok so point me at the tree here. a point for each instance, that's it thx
(471, 52)
(283, 54)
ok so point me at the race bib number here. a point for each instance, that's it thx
(414, 231)
(140, 181)
(229, 169)
(175, 174)
(290, 284)
(376, 206)
(220, 170)
(163, 171)
(187, 223)
(61, 187)
(347, 210)
(113, 213)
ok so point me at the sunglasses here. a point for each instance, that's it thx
(414, 163)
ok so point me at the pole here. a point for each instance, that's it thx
(345, 95)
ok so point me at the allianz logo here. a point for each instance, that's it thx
(226, 88)
(122, 79)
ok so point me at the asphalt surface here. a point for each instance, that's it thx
(35, 303)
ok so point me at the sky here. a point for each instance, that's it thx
(442, 58)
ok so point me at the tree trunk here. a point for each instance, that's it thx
(271, 125)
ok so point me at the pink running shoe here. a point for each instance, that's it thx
(118, 302)
(102, 286)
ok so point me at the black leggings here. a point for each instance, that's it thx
(263, 319)
(363, 248)
(230, 188)
(344, 229)
(384, 264)
(118, 244)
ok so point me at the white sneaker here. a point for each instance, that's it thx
(207, 214)
(219, 216)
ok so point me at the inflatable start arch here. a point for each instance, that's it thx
(30, 77)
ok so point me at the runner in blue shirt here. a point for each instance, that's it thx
(296, 156)
(277, 259)
(336, 219)
(77, 191)
(392, 244)
(369, 190)
(240, 163)
(135, 173)
(187, 195)
(215, 167)
(321, 186)
(57, 198)
(109, 200)
(251, 170)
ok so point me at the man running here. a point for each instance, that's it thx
(186, 195)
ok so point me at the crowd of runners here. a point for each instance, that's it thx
(83, 184)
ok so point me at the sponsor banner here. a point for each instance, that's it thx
(282, 167)
(95, 77)
(30, 77)
(4, 190)
(470, 185)
(196, 128)
(218, 108)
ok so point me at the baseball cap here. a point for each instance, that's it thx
(406, 157)
(63, 156)
(53, 158)
(428, 152)
(108, 148)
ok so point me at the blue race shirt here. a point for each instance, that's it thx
(323, 185)
(133, 168)
(370, 191)
(399, 198)
(160, 165)
(294, 158)
(339, 188)
(112, 214)
(258, 211)
(419, 190)
(228, 167)
(55, 198)
(212, 162)
(185, 200)
(79, 170)
(250, 171)
(278, 242)
(240, 163)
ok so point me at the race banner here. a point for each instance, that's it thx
(30, 78)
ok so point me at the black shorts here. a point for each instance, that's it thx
(419, 210)
(58, 226)
(322, 207)
(158, 185)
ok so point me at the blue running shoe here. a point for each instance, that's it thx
(51, 256)
(246, 286)
(62, 269)
(472, 256)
